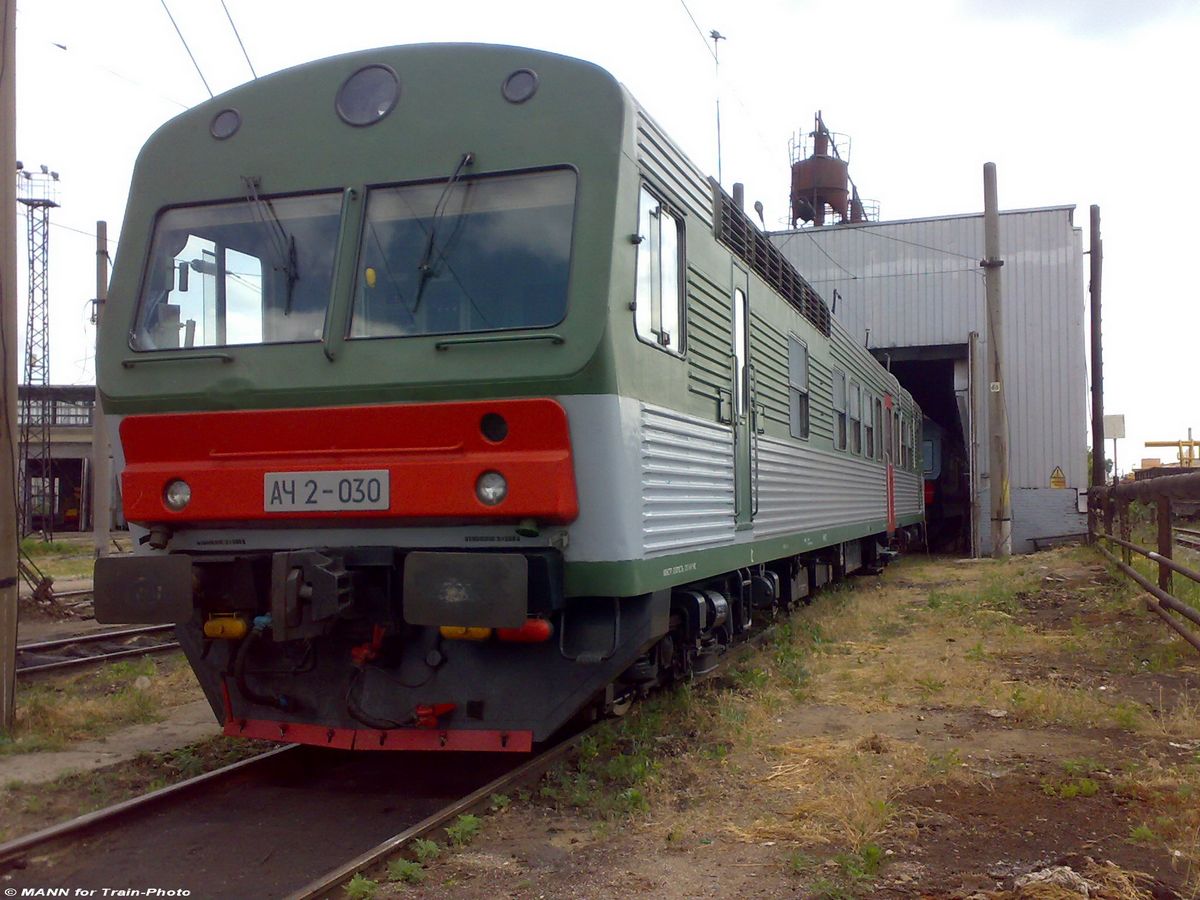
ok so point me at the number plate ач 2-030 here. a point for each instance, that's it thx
(326, 491)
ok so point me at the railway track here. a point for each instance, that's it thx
(104, 646)
(295, 822)
(1188, 537)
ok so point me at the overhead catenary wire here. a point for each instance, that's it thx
(239, 40)
(183, 40)
(700, 31)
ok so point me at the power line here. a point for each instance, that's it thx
(699, 30)
(186, 47)
(825, 253)
(929, 274)
(239, 40)
(90, 234)
(890, 237)
(116, 74)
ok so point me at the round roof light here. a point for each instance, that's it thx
(368, 95)
(520, 86)
(225, 124)
(491, 488)
(177, 495)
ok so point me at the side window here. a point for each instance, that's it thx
(855, 418)
(869, 426)
(878, 420)
(658, 299)
(839, 409)
(741, 351)
(798, 387)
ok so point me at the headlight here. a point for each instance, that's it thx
(491, 488)
(177, 495)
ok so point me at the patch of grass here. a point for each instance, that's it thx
(406, 871)
(1142, 834)
(749, 680)
(464, 830)
(54, 714)
(360, 887)
(1070, 788)
(498, 802)
(801, 863)
(863, 865)
(72, 795)
(426, 850)
(930, 686)
(944, 763)
(36, 548)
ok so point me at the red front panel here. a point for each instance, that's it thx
(433, 452)
(393, 739)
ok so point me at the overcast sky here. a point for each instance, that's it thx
(1076, 101)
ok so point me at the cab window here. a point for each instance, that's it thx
(658, 297)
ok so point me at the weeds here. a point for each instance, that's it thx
(464, 830)
(360, 887)
(426, 850)
(406, 871)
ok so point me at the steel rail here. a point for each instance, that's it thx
(92, 637)
(99, 658)
(18, 846)
(527, 771)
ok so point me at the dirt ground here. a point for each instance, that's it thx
(950, 729)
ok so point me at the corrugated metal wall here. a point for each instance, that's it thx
(918, 283)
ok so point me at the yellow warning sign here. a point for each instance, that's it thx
(1057, 478)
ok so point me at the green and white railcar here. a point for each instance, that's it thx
(452, 399)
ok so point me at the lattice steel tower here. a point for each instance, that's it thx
(38, 191)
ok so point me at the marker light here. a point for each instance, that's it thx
(177, 495)
(491, 488)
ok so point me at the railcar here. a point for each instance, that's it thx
(450, 400)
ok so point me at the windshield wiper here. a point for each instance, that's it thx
(425, 266)
(283, 244)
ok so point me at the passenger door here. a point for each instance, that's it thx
(743, 402)
(890, 449)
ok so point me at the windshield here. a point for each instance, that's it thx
(465, 255)
(255, 271)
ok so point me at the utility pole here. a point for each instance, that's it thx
(101, 467)
(717, 36)
(1097, 269)
(997, 406)
(9, 582)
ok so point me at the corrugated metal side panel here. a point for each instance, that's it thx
(802, 489)
(769, 354)
(708, 336)
(673, 170)
(919, 284)
(820, 396)
(910, 493)
(687, 482)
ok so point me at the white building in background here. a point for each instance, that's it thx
(913, 292)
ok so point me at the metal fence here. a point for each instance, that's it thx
(1110, 505)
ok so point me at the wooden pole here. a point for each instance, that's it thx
(9, 582)
(101, 463)
(1166, 542)
(997, 405)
